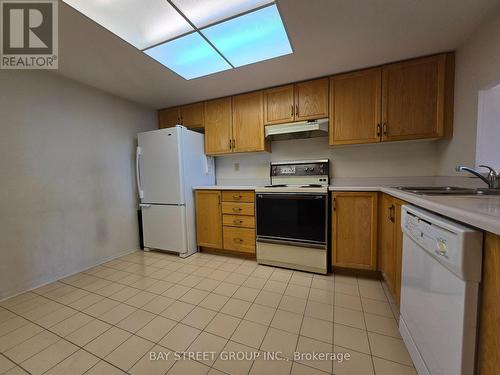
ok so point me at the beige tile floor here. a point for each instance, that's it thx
(108, 319)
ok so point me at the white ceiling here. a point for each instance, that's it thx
(328, 36)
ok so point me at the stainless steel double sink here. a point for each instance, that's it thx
(447, 190)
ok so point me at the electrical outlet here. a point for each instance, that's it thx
(236, 166)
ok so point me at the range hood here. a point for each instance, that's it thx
(297, 130)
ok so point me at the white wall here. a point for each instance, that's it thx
(488, 128)
(67, 191)
(376, 160)
(477, 67)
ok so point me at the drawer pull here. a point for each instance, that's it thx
(236, 209)
(238, 240)
(237, 196)
(235, 221)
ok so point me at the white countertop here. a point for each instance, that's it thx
(482, 212)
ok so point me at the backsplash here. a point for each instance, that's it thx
(372, 160)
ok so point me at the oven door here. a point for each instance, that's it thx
(292, 218)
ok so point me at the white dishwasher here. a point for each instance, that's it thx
(439, 293)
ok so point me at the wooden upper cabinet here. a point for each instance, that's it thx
(168, 117)
(208, 218)
(248, 122)
(218, 126)
(416, 98)
(402, 101)
(193, 115)
(279, 105)
(355, 105)
(354, 230)
(311, 99)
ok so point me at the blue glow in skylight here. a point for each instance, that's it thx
(189, 56)
(253, 37)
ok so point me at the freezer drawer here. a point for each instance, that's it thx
(164, 227)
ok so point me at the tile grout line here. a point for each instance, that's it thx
(178, 299)
(63, 338)
(46, 329)
(173, 284)
(300, 328)
(269, 326)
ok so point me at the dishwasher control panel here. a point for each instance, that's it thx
(452, 244)
(441, 242)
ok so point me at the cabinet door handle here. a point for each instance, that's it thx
(234, 144)
(391, 213)
(218, 199)
(238, 240)
(236, 209)
(237, 221)
(292, 111)
(334, 204)
(378, 130)
(384, 128)
(230, 144)
(296, 109)
(237, 197)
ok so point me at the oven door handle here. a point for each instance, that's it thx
(291, 196)
(322, 246)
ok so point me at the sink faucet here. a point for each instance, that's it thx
(493, 179)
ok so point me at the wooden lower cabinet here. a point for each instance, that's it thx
(239, 239)
(236, 208)
(238, 196)
(238, 221)
(225, 220)
(354, 230)
(208, 218)
(390, 251)
(489, 320)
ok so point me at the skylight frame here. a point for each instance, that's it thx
(189, 56)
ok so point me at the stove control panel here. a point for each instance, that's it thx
(306, 168)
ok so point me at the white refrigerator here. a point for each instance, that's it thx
(169, 163)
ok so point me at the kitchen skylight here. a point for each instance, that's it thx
(194, 38)
(141, 23)
(189, 56)
(207, 12)
(250, 38)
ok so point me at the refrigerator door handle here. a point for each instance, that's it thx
(144, 205)
(138, 153)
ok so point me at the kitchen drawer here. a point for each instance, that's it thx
(238, 208)
(239, 221)
(238, 196)
(239, 239)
